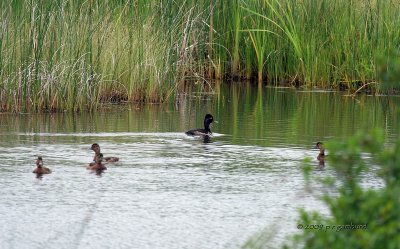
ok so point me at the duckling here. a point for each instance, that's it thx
(97, 165)
(39, 167)
(321, 155)
(96, 148)
(208, 119)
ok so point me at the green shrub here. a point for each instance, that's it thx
(361, 217)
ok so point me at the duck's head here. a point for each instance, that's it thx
(39, 161)
(319, 145)
(95, 147)
(208, 119)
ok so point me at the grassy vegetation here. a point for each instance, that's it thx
(73, 54)
(324, 43)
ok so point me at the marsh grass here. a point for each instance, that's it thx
(324, 43)
(74, 55)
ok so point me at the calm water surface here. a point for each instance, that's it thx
(170, 190)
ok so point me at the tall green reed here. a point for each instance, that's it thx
(74, 55)
(326, 43)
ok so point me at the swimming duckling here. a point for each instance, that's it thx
(97, 165)
(208, 119)
(321, 148)
(96, 148)
(39, 167)
(321, 155)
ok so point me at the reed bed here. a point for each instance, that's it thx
(75, 55)
(327, 43)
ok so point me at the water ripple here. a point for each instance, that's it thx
(167, 191)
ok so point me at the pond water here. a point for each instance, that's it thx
(170, 190)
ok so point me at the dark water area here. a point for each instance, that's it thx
(169, 190)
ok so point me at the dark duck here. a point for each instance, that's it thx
(208, 119)
(97, 165)
(96, 148)
(40, 169)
